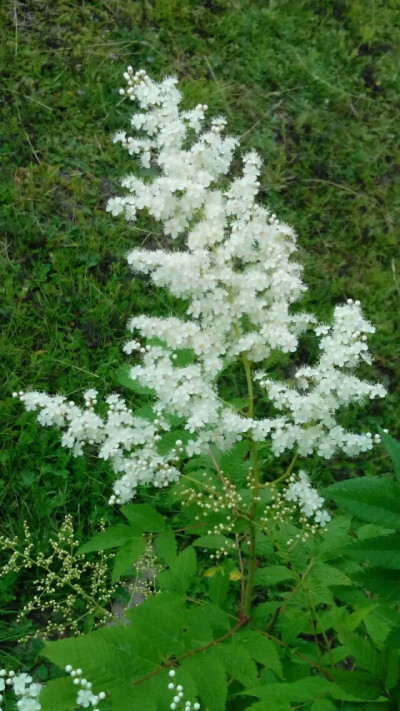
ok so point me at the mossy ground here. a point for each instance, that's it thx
(312, 85)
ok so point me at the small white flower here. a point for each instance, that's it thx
(84, 698)
(20, 681)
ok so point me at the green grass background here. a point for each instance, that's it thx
(313, 85)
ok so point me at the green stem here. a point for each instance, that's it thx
(285, 474)
(251, 569)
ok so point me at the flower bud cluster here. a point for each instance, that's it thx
(67, 586)
(221, 499)
(178, 701)
(85, 696)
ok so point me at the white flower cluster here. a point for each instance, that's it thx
(25, 690)
(234, 267)
(178, 701)
(129, 442)
(85, 696)
(307, 498)
(311, 404)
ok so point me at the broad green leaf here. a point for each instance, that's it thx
(218, 587)
(209, 675)
(144, 516)
(383, 552)
(196, 625)
(126, 556)
(260, 706)
(362, 651)
(123, 378)
(392, 668)
(320, 579)
(393, 449)
(233, 463)
(380, 623)
(237, 662)
(272, 575)
(302, 690)
(213, 541)
(166, 547)
(263, 613)
(337, 537)
(145, 412)
(110, 658)
(217, 618)
(260, 648)
(394, 637)
(323, 705)
(354, 685)
(264, 545)
(372, 530)
(293, 624)
(110, 538)
(334, 656)
(184, 356)
(181, 572)
(385, 583)
(58, 695)
(169, 439)
(371, 500)
(163, 631)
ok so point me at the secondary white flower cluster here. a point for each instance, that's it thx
(307, 498)
(24, 688)
(178, 701)
(129, 442)
(85, 696)
(310, 405)
(233, 266)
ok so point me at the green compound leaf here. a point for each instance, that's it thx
(260, 648)
(181, 572)
(383, 551)
(362, 651)
(123, 378)
(233, 463)
(166, 547)
(168, 440)
(393, 449)
(163, 631)
(354, 685)
(282, 695)
(209, 675)
(111, 658)
(391, 668)
(213, 541)
(184, 356)
(273, 575)
(58, 695)
(371, 500)
(260, 706)
(385, 583)
(323, 705)
(110, 538)
(144, 516)
(238, 663)
(126, 556)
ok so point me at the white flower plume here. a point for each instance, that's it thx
(234, 265)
